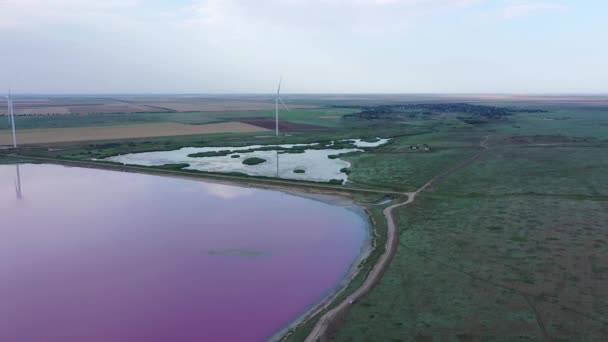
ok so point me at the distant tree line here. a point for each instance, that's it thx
(476, 113)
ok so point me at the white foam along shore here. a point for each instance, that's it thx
(315, 163)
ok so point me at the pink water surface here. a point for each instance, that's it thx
(92, 255)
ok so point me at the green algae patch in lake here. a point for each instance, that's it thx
(254, 161)
(210, 154)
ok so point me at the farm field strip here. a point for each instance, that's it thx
(52, 135)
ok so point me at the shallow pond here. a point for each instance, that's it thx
(310, 164)
(92, 255)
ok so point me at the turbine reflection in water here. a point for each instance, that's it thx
(18, 182)
(277, 163)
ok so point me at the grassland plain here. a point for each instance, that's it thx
(326, 117)
(573, 122)
(52, 105)
(492, 269)
(402, 171)
(512, 246)
(546, 170)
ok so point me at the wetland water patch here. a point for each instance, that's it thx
(108, 256)
(314, 162)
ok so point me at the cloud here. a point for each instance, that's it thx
(240, 16)
(227, 192)
(240, 19)
(521, 9)
(313, 11)
(395, 3)
(27, 14)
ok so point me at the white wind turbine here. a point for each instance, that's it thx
(11, 118)
(276, 102)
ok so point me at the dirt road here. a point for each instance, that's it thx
(328, 322)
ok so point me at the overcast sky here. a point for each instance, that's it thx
(319, 46)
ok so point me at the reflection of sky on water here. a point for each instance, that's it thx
(227, 192)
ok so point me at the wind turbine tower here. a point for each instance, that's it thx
(276, 110)
(11, 114)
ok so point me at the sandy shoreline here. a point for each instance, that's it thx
(329, 298)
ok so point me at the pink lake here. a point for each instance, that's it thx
(93, 255)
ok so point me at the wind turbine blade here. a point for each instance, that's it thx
(284, 105)
(279, 88)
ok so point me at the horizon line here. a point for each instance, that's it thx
(312, 93)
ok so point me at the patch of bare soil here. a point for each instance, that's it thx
(268, 123)
(220, 106)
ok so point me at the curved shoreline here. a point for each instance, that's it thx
(341, 197)
(320, 305)
(339, 289)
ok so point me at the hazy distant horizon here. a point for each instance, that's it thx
(284, 93)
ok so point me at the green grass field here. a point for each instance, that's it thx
(510, 247)
(490, 269)
(326, 117)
